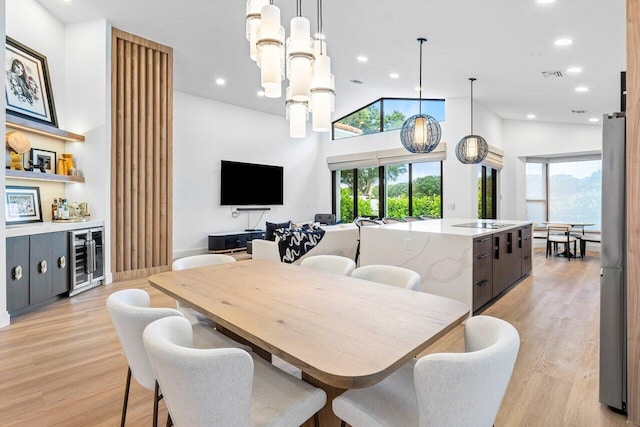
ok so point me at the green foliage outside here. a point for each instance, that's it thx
(368, 119)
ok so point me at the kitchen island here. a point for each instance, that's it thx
(473, 261)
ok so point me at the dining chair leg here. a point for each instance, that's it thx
(126, 398)
(316, 420)
(169, 420)
(156, 398)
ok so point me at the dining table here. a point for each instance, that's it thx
(341, 332)
(577, 224)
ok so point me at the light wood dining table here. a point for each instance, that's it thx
(341, 332)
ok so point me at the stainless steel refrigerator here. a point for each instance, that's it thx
(613, 324)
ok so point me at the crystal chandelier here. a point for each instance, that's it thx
(472, 148)
(420, 133)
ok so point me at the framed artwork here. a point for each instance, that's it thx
(22, 204)
(28, 87)
(44, 157)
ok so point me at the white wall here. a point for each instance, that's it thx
(206, 132)
(528, 138)
(88, 73)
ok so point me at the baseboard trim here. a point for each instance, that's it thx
(5, 319)
(189, 252)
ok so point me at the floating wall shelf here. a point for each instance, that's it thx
(19, 123)
(39, 176)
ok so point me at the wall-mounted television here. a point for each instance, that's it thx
(250, 184)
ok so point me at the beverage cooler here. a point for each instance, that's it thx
(87, 259)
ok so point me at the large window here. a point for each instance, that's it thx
(385, 114)
(487, 190)
(393, 190)
(564, 190)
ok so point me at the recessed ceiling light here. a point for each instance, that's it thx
(545, 1)
(531, 116)
(260, 93)
(582, 89)
(574, 70)
(220, 81)
(394, 75)
(362, 58)
(563, 42)
(594, 120)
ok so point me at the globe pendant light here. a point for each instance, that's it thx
(270, 51)
(322, 84)
(472, 148)
(252, 22)
(300, 56)
(420, 133)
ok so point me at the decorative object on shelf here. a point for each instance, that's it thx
(45, 158)
(40, 165)
(69, 160)
(16, 161)
(22, 204)
(28, 90)
(17, 142)
(62, 166)
(420, 133)
(323, 84)
(472, 149)
(270, 51)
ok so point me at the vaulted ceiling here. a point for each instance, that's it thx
(507, 45)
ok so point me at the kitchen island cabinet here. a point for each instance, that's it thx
(473, 261)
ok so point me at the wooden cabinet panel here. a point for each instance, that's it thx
(17, 273)
(40, 268)
(514, 246)
(482, 271)
(59, 263)
(500, 263)
(526, 243)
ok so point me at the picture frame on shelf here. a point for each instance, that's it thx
(22, 204)
(28, 87)
(45, 157)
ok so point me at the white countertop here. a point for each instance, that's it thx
(49, 227)
(448, 226)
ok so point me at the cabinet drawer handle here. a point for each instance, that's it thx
(483, 240)
(483, 255)
(17, 273)
(62, 262)
(497, 248)
(43, 266)
(527, 256)
(482, 282)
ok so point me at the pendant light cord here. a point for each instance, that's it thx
(320, 29)
(421, 40)
(299, 8)
(472, 79)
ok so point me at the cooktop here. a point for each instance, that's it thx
(482, 224)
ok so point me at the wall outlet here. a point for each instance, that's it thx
(451, 206)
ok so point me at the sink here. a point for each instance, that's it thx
(482, 224)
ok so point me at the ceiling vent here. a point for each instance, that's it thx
(547, 74)
(579, 111)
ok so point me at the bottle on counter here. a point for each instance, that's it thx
(65, 209)
(54, 209)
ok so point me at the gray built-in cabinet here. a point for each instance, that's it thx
(37, 270)
(499, 260)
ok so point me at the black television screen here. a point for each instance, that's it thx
(250, 184)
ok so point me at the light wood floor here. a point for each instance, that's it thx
(63, 366)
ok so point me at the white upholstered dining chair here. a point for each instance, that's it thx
(389, 275)
(224, 387)
(442, 389)
(196, 261)
(130, 313)
(331, 263)
(561, 234)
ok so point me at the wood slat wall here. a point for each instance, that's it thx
(633, 211)
(141, 156)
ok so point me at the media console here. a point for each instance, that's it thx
(232, 241)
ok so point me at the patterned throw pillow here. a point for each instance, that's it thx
(272, 226)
